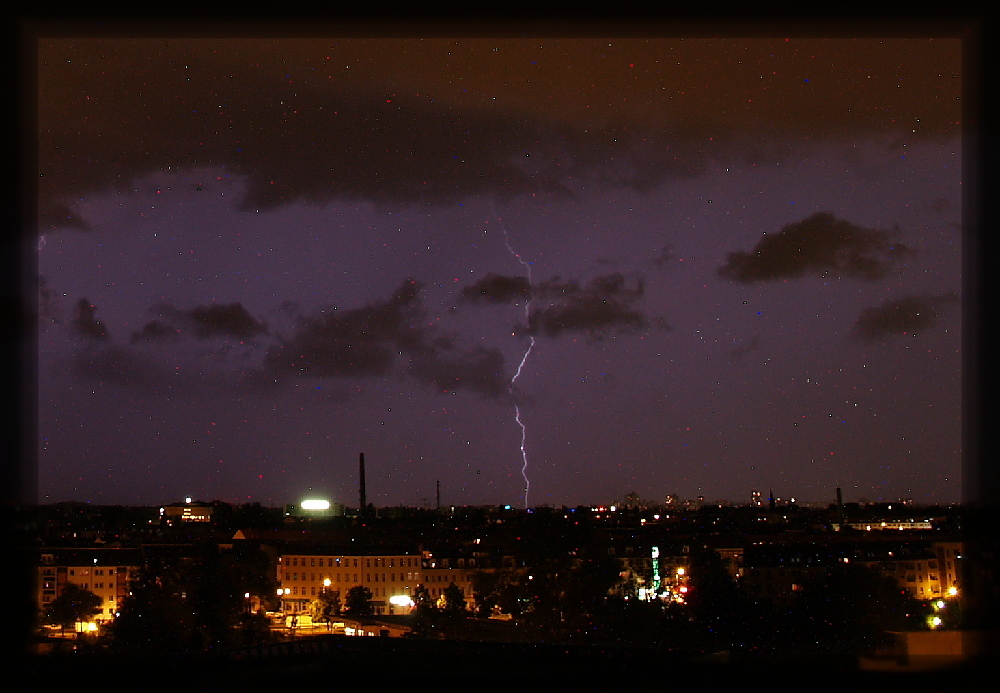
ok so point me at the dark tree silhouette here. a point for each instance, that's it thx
(485, 589)
(199, 604)
(358, 601)
(583, 590)
(426, 613)
(454, 600)
(154, 617)
(215, 585)
(74, 604)
(713, 600)
(326, 605)
(848, 608)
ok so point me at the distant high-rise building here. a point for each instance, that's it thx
(362, 496)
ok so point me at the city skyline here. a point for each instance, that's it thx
(542, 271)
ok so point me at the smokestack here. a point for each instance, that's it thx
(840, 508)
(361, 493)
(438, 495)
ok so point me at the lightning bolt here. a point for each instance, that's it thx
(520, 366)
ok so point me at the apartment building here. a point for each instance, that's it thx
(103, 571)
(302, 577)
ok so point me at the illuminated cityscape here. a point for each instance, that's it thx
(501, 356)
(688, 578)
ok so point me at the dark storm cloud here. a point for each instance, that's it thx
(368, 341)
(85, 321)
(821, 245)
(155, 331)
(59, 215)
(605, 304)
(179, 370)
(496, 288)
(905, 315)
(231, 320)
(403, 120)
(119, 365)
(449, 370)
(371, 341)
(308, 141)
(357, 342)
(105, 121)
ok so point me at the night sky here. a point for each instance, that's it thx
(539, 271)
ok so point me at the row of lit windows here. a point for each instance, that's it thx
(336, 577)
(97, 571)
(311, 591)
(48, 596)
(318, 561)
(95, 586)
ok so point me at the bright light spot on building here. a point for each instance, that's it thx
(315, 504)
(401, 600)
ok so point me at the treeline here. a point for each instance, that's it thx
(199, 603)
(845, 609)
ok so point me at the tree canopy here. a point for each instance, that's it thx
(358, 601)
(326, 605)
(74, 604)
(454, 600)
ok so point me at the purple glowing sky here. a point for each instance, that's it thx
(744, 254)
